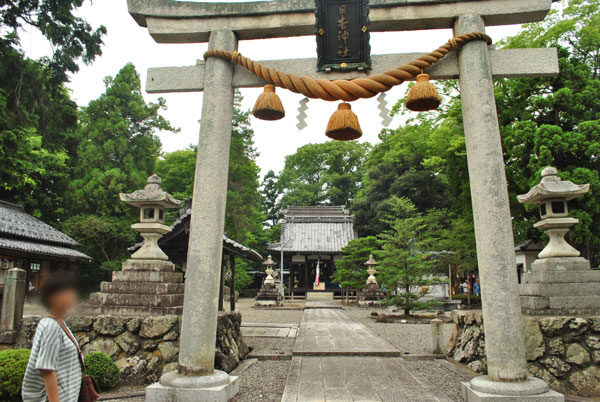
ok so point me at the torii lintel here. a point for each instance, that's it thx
(171, 21)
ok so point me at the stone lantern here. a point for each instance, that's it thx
(552, 195)
(560, 281)
(371, 270)
(269, 280)
(152, 202)
(269, 295)
(371, 294)
(148, 283)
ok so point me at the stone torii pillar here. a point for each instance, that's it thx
(475, 65)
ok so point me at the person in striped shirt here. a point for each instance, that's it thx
(53, 373)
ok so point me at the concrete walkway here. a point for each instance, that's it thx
(338, 359)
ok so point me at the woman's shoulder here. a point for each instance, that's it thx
(48, 324)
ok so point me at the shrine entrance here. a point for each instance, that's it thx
(345, 71)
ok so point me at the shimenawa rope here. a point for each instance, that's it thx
(347, 90)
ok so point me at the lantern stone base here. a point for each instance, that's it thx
(143, 287)
(371, 295)
(482, 389)
(268, 295)
(217, 387)
(561, 286)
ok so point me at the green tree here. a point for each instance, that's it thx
(556, 120)
(270, 194)
(405, 271)
(323, 174)
(176, 169)
(351, 272)
(71, 38)
(117, 152)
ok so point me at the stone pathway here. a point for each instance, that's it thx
(266, 330)
(338, 359)
(326, 332)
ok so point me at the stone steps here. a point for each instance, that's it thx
(559, 289)
(142, 288)
(586, 276)
(148, 265)
(148, 300)
(147, 276)
(88, 309)
(562, 303)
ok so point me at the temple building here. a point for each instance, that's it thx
(313, 239)
(30, 244)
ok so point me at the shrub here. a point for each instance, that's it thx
(102, 369)
(13, 363)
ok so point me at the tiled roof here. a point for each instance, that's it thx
(39, 248)
(15, 222)
(315, 230)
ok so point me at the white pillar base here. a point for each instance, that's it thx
(172, 387)
(482, 389)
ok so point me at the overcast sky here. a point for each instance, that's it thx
(128, 42)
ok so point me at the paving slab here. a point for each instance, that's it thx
(357, 378)
(330, 332)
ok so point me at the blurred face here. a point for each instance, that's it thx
(63, 301)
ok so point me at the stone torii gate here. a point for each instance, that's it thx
(475, 65)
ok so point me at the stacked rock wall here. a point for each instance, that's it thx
(563, 351)
(145, 347)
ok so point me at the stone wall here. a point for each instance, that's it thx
(563, 351)
(145, 347)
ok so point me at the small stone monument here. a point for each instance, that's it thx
(560, 281)
(371, 294)
(148, 283)
(269, 295)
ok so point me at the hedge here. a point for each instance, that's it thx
(13, 363)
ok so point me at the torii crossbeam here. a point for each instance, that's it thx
(475, 65)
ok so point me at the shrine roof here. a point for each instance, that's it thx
(20, 231)
(320, 229)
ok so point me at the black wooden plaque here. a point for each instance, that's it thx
(343, 35)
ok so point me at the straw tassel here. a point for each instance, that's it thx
(343, 124)
(268, 106)
(422, 96)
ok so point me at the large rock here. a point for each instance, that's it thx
(128, 342)
(577, 355)
(534, 340)
(593, 342)
(552, 326)
(104, 345)
(153, 327)
(133, 325)
(586, 382)
(169, 351)
(138, 368)
(595, 323)
(80, 324)
(555, 366)
(109, 325)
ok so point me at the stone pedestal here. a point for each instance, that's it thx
(143, 287)
(561, 286)
(268, 295)
(173, 387)
(533, 389)
(371, 295)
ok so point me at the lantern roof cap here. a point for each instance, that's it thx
(152, 193)
(551, 187)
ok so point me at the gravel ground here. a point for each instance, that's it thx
(270, 346)
(264, 381)
(438, 373)
(412, 339)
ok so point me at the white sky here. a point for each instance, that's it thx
(128, 42)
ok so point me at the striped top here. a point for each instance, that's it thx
(52, 350)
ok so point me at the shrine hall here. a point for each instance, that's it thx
(312, 239)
